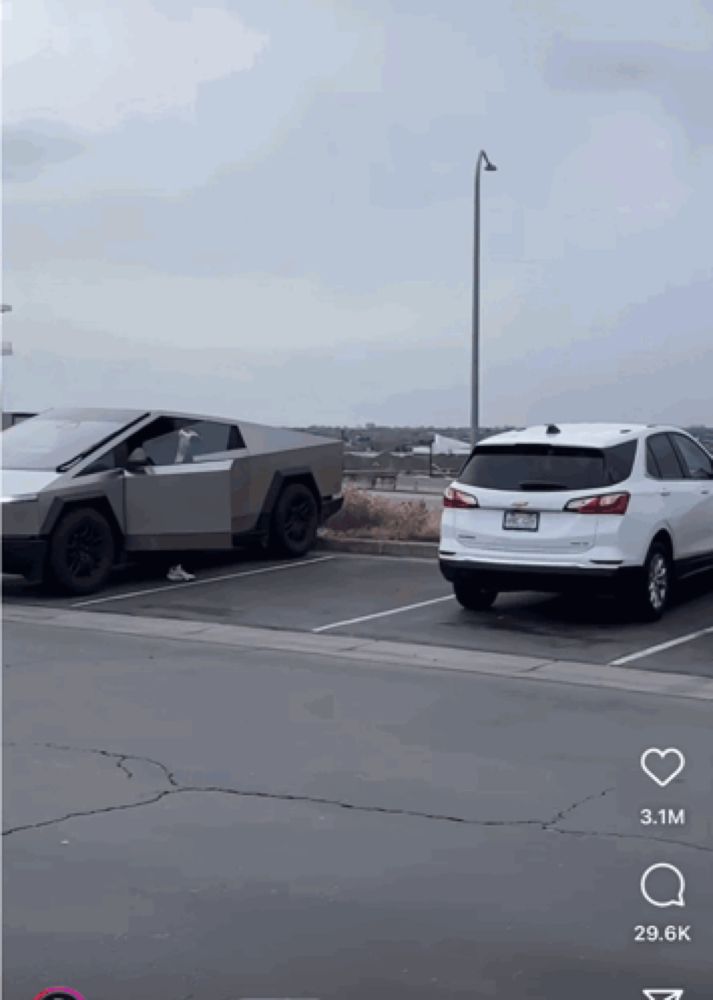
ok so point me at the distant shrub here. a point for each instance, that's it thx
(366, 516)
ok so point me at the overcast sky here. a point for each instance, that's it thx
(264, 208)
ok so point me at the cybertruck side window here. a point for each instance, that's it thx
(160, 440)
(548, 467)
(114, 458)
(215, 437)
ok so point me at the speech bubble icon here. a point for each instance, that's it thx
(663, 885)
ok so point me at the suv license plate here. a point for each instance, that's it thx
(521, 520)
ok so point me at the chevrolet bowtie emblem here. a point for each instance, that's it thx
(664, 994)
(520, 503)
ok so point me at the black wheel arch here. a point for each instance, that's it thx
(662, 537)
(286, 477)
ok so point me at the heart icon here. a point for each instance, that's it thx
(662, 766)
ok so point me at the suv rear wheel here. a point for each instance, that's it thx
(652, 589)
(81, 551)
(294, 521)
(472, 597)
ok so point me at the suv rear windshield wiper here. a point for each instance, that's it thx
(534, 484)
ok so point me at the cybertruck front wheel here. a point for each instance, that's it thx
(81, 551)
(295, 521)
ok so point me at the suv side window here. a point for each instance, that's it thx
(661, 459)
(696, 464)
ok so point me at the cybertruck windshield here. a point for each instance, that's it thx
(58, 437)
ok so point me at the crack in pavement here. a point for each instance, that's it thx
(120, 758)
(87, 812)
(278, 797)
(705, 848)
(544, 825)
(563, 813)
(122, 767)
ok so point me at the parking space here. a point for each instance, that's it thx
(306, 595)
(407, 600)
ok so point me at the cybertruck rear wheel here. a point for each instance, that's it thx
(295, 521)
(81, 551)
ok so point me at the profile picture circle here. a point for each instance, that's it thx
(60, 993)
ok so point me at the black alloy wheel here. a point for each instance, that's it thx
(295, 520)
(81, 551)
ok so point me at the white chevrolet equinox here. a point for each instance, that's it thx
(625, 509)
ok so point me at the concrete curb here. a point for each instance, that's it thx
(371, 652)
(379, 547)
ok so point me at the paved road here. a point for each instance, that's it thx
(242, 823)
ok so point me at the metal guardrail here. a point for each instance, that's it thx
(373, 480)
(397, 482)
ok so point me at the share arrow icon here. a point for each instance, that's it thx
(664, 994)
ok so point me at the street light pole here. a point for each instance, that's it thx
(6, 352)
(475, 374)
(6, 345)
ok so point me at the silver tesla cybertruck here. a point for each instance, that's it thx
(85, 488)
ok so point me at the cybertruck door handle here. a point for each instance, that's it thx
(665, 493)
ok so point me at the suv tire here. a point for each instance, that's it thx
(472, 597)
(654, 583)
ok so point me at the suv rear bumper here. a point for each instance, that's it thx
(25, 556)
(552, 578)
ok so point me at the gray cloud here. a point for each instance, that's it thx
(680, 79)
(27, 152)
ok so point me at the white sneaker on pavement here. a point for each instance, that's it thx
(177, 574)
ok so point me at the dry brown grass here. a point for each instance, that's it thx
(367, 516)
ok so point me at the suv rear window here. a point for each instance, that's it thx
(541, 467)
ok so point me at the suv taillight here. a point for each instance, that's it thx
(457, 498)
(606, 503)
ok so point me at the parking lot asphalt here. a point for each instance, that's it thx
(406, 600)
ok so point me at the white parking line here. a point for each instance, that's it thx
(662, 646)
(202, 580)
(383, 614)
